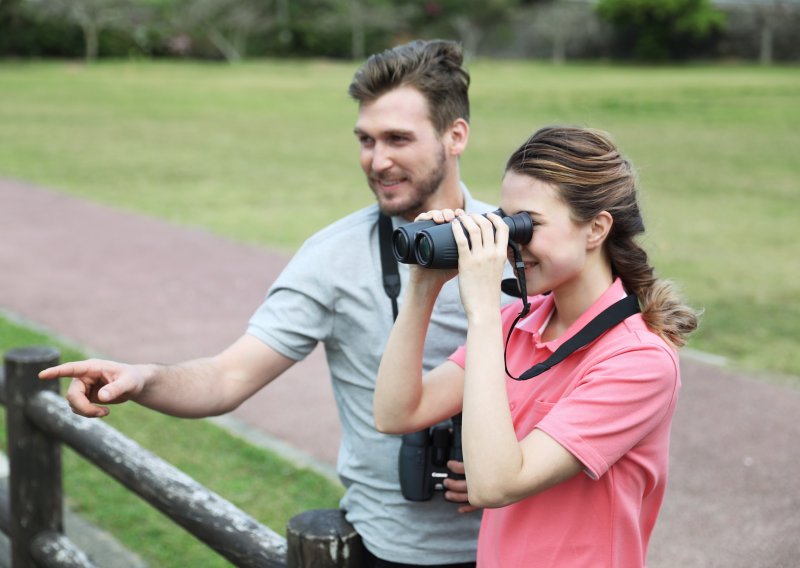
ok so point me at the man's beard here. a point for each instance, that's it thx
(422, 190)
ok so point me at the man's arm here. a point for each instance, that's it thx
(194, 389)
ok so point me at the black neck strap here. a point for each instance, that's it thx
(604, 321)
(391, 276)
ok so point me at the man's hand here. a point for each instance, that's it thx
(98, 382)
(456, 489)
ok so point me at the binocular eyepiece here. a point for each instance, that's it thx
(432, 245)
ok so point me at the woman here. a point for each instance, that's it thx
(571, 463)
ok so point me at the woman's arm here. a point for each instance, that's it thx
(501, 470)
(404, 401)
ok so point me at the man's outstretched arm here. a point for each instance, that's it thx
(194, 389)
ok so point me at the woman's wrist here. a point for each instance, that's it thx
(483, 314)
(425, 283)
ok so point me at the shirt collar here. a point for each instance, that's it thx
(538, 319)
(469, 202)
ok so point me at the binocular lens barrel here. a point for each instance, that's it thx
(436, 247)
(433, 246)
(424, 249)
(403, 241)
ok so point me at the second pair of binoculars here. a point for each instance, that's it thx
(432, 245)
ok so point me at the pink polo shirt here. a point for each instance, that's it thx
(611, 405)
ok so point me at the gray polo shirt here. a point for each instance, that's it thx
(332, 291)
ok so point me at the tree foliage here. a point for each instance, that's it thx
(560, 22)
(359, 26)
(92, 16)
(227, 24)
(23, 35)
(469, 20)
(236, 29)
(661, 29)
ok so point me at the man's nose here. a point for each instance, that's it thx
(381, 158)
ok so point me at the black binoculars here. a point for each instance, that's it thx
(432, 245)
(422, 461)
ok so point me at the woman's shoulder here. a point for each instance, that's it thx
(635, 342)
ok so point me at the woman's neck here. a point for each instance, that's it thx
(574, 298)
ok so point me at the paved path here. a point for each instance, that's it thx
(137, 289)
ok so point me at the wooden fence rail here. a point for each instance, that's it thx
(39, 420)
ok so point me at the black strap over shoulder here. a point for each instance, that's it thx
(604, 321)
(391, 275)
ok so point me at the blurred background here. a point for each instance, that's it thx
(752, 30)
(232, 117)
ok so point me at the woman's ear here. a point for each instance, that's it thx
(599, 227)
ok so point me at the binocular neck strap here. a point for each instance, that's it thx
(522, 288)
(604, 321)
(391, 275)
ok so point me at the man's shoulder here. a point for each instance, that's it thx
(477, 206)
(352, 226)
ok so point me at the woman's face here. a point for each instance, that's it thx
(556, 255)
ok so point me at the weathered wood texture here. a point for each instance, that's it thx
(54, 550)
(35, 485)
(323, 539)
(210, 518)
(40, 419)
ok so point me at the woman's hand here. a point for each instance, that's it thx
(481, 260)
(426, 278)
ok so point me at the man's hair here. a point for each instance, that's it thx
(434, 68)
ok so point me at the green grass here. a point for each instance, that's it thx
(263, 152)
(265, 486)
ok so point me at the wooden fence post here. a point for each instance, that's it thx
(35, 484)
(323, 539)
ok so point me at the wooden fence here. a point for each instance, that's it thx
(31, 513)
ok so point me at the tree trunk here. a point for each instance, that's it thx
(469, 34)
(91, 41)
(765, 51)
(357, 29)
(559, 47)
(225, 47)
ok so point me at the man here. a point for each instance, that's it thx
(412, 127)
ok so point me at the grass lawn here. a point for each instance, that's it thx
(265, 486)
(263, 152)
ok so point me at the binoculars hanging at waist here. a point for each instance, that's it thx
(432, 245)
(422, 461)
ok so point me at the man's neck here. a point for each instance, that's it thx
(450, 195)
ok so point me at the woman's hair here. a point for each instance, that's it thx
(591, 176)
(434, 67)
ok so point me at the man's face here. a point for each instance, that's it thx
(403, 157)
